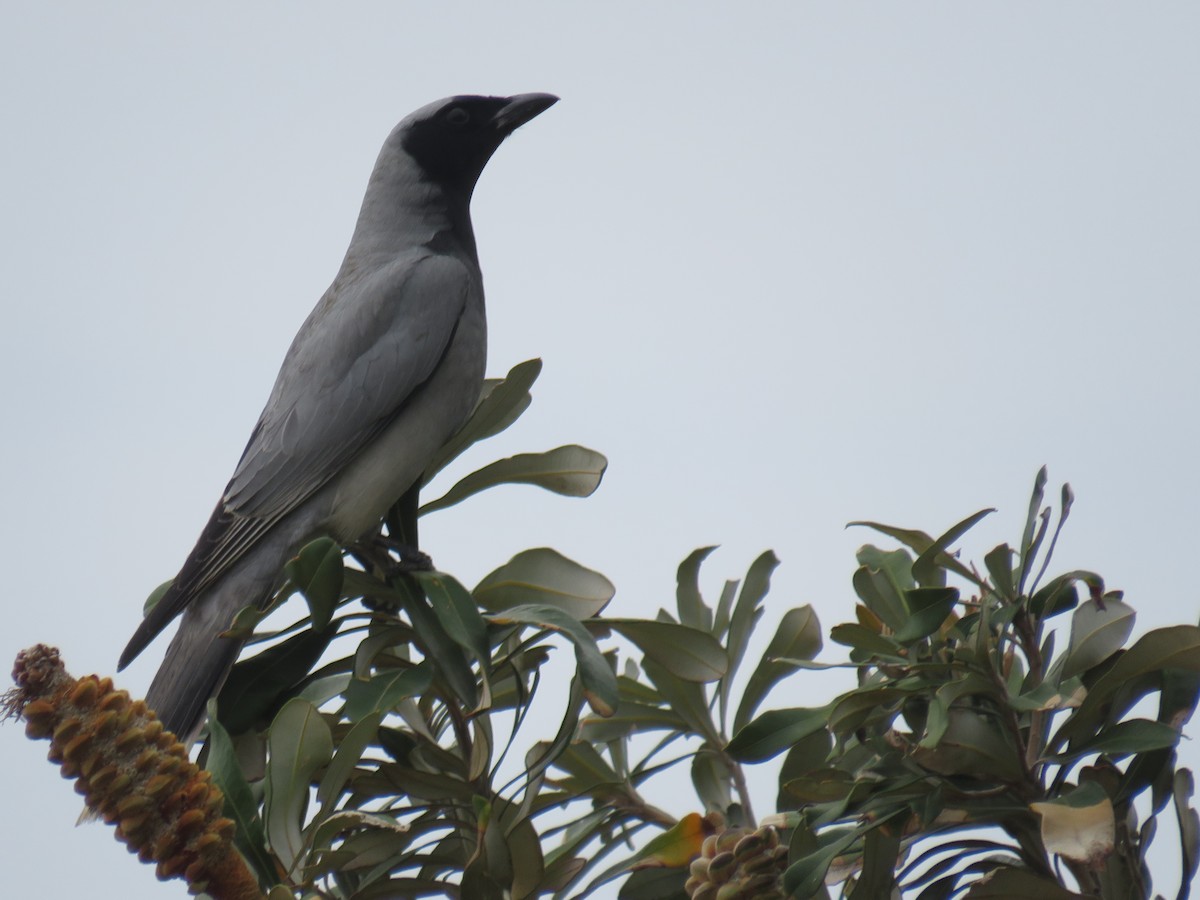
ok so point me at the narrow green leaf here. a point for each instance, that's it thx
(797, 637)
(572, 470)
(596, 675)
(1028, 542)
(691, 654)
(544, 576)
(317, 572)
(746, 613)
(927, 567)
(775, 731)
(349, 752)
(240, 805)
(1125, 738)
(299, 743)
(693, 611)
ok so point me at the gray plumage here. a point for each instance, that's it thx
(385, 369)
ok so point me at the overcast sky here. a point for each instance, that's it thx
(788, 265)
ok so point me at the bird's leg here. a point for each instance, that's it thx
(401, 538)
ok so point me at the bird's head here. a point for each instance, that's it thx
(451, 140)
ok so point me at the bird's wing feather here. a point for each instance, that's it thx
(352, 367)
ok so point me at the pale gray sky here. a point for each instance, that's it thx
(788, 265)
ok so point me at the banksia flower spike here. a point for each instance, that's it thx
(131, 772)
(739, 864)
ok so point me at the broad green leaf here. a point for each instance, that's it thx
(675, 847)
(572, 470)
(316, 571)
(689, 653)
(797, 637)
(1175, 647)
(975, 745)
(866, 641)
(1048, 696)
(775, 731)
(240, 805)
(1059, 594)
(1080, 826)
(999, 564)
(455, 608)
(654, 884)
(596, 675)
(299, 743)
(693, 611)
(927, 567)
(385, 690)
(712, 779)
(257, 684)
(545, 576)
(1098, 630)
(928, 608)
(349, 752)
(918, 542)
(501, 403)
(882, 581)
(686, 698)
(441, 648)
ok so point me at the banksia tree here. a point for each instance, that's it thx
(132, 773)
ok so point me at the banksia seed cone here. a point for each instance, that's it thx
(739, 864)
(132, 772)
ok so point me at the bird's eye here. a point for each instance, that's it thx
(458, 116)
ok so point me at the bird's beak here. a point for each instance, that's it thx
(520, 109)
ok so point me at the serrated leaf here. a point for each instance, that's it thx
(572, 470)
(545, 576)
(299, 743)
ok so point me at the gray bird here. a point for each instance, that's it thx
(385, 369)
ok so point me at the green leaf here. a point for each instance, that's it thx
(775, 731)
(545, 576)
(693, 611)
(385, 690)
(1176, 647)
(999, 564)
(928, 608)
(1006, 883)
(919, 542)
(455, 608)
(572, 470)
(240, 805)
(686, 698)
(927, 567)
(654, 884)
(1189, 826)
(882, 581)
(299, 743)
(797, 637)
(1079, 826)
(596, 675)
(317, 572)
(349, 752)
(1098, 630)
(690, 654)
(866, 641)
(1028, 541)
(500, 404)
(1125, 738)
(256, 685)
(745, 615)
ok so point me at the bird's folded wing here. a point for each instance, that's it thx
(357, 360)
